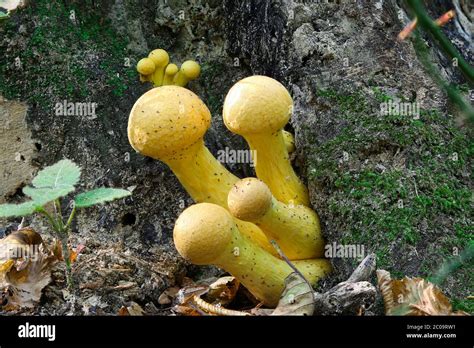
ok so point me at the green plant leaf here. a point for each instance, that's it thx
(45, 195)
(23, 209)
(99, 195)
(63, 174)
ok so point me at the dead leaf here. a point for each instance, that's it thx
(123, 312)
(73, 253)
(168, 296)
(186, 311)
(297, 298)
(133, 309)
(186, 294)
(413, 296)
(223, 291)
(25, 268)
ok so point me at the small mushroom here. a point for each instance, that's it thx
(170, 73)
(257, 108)
(296, 229)
(146, 68)
(168, 123)
(190, 70)
(206, 234)
(161, 59)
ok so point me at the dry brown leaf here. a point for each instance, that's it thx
(223, 291)
(413, 296)
(186, 311)
(123, 312)
(25, 268)
(168, 296)
(135, 310)
(297, 298)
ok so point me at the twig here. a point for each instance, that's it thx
(287, 260)
(212, 309)
(432, 28)
(445, 18)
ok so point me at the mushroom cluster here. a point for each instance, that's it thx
(157, 69)
(234, 221)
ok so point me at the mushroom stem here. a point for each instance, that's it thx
(203, 177)
(262, 273)
(296, 229)
(206, 234)
(274, 168)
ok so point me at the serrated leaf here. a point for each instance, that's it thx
(45, 195)
(63, 174)
(23, 209)
(99, 195)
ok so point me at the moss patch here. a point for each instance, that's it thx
(398, 185)
(76, 47)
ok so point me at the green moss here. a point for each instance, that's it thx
(396, 184)
(466, 305)
(60, 55)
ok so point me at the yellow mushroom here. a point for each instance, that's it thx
(190, 70)
(161, 59)
(168, 124)
(296, 229)
(170, 73)
(257, 108)
(206, 234)
(146, 67)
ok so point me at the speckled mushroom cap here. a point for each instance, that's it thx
(191, 69)
(202, 233)
(171, 69)
(160, 57)
(166, 120)
(146, 66)
(257, 104)
(249, 199)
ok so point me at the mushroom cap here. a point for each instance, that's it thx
(171, 69)
(249, 199)
(257, 104)
(203, 232)
(191, 69)
(146, 66)
(160, 57)
(167, 120)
